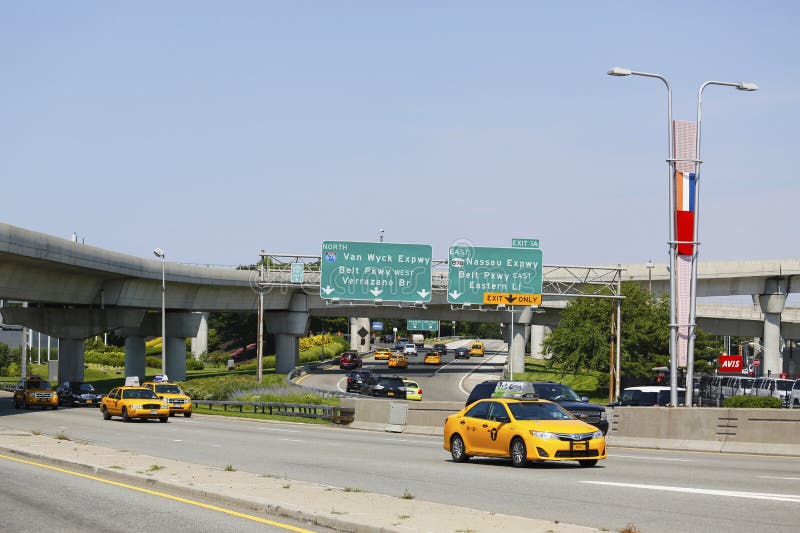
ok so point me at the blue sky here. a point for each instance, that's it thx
(215, 129)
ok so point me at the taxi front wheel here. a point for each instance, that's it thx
(519, 453)
(187, 415)
(164, 419)
(125, 417)
(586, 463)
(106, 414)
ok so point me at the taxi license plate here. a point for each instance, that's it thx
(88, 401)
(154, 411)
(390, 394)
(580, 446)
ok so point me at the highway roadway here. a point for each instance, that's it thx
(657, 491)
(449, 382)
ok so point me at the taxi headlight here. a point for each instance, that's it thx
(544, 434)
(597, 435)
(603, 415)
(136, 406)
(165, 405)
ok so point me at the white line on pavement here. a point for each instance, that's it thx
(650, 458)
(791, 498)
(281, 430)
(339, 384)
(468, 374)
(777, 477)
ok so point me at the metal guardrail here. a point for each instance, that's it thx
(8, 385)
(334, 413)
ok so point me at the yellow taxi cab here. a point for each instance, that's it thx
(382, 354)
(134, 402)
(34, 391)
(413, 392)
(476, 348)
(179, 401)
(398, 360)
(432, 358)
(523, 428)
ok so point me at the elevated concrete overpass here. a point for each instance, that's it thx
(78, 291)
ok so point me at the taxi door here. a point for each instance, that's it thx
(487, 431)
(472, 427)
(113, 402)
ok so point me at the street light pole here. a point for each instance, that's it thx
(673, 325)
(380, 235)
(742, 86)
(160, 253)
(650, 266)
(261, 284)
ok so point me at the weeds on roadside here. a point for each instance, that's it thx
(407, 495)
(630, 528)
(230, 468)
(62, 436)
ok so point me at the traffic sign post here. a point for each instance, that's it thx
(422, 325)
(376, 271)
(508, 276)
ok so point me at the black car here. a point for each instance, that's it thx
(385, 386)
(356, 380)
(462, 353)
(78, 393)
(441, 348)
(555, 392)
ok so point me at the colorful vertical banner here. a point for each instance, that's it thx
(685, 201)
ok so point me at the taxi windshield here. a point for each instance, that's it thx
(168, 389)
(138, 394)
(39, 384)
(538, 411)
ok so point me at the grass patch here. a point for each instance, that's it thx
(585, 382)
(117, 467)
(407, 495)
(62, 436)
(35, 432)
(229, 468)
(155, 468)
(630, 528)
(202, 410)
(351, 489)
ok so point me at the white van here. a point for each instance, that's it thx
(775, 387)
(418, 339)
(649, 395)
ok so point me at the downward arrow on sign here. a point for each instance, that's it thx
(327, 290)
(455, 295)
(376, 292)
(510, 298)
(423, 293)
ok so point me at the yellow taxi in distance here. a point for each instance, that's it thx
(35, 391)
(432, 358)
(179, 402)
(476, 348)
(523, 430)
(382, 354)
(413, 392)
(134, 402)
(398, 360)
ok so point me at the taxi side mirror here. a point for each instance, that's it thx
(502, 419)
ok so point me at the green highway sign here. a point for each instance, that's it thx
(422, 325)
(297, 273)
(475, 271)
(524, 243)
(376, 271)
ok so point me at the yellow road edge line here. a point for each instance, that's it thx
(162, 495)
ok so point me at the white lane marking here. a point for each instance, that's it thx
(281, 430)
(791, 498)
(405, 441)
(651, 458)
(216, 445)
(468, 374)
(293, 440)
(339, 384)
(177, 440)
(777, 477)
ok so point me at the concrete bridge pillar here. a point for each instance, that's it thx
(538, 333)
(200, 342)
(134, 356)
(357, 342)
(70, 360)
(516, 334)
(772, 304)
(287, 326)
(176, 358)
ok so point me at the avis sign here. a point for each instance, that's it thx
(730, 363)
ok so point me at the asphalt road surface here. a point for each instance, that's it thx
(37, 497)
(657, 491)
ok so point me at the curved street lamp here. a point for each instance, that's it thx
(158, 252)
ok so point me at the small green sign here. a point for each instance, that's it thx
(297, 272)
(475, 271)
(524, 243)
(422, 325)
(376, 271)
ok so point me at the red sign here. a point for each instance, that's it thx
(730, 363)
(756, 362)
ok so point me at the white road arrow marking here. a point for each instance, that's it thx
(327, 290)
(376, 292)
(455, 295)
(423, 293)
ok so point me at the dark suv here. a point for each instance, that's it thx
(385, 386)
(356, 380)
(555, 392)
(349, 360)
(78, 393)
(441, 348)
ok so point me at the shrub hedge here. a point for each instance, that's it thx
(753, 402)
